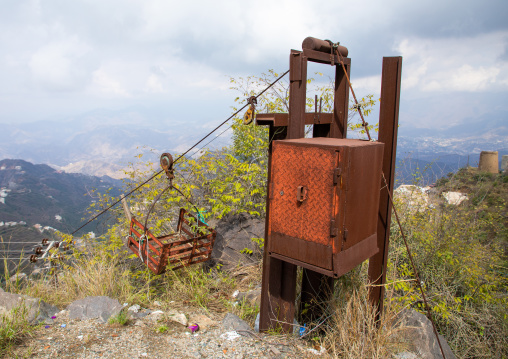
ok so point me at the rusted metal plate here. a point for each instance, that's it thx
(303, 264)
(347, 259)
(323, 58)
(282, 119)
(363, 176)
(311, 167)
(316, 254)
(342, 180)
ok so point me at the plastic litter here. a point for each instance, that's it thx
(193, 327)
(302, 329)
(230, 335)
(53, 317)
(47, 326)
(135, 308)
(63, 325)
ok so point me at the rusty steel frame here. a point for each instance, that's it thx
(182, 248)
(279, 272)
(278, 290)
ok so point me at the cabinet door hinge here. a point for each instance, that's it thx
(333, 229)
(336, 175)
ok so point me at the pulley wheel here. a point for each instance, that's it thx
(167, 164)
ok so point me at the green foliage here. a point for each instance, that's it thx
(460, 254)
(121, 318)
(162, 329)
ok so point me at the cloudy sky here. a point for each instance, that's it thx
(172, 59)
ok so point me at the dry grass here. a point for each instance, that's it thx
(14, 329)
(86, 275)
(354, 333)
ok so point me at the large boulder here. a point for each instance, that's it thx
(101, 308)
(234, 245)
(454, 198)
(36, 310)
(421, 336)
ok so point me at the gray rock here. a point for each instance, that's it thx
(18, 278)
(252, 296)
(156, 316)
(421, 335)
(233, 322)
(37, 311)
(178, 317)
(38, 273)
(101, 308)
(405, 355)
(234, 236)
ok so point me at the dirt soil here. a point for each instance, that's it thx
(140, 339)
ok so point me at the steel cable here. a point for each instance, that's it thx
(179, 157)
(417, 276)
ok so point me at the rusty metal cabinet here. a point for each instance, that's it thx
(324, 198)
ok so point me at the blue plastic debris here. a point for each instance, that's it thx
(302, 329)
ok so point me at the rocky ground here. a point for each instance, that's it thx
(83, 331)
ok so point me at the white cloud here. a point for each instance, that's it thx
(154, 84)
(470, 64)
(104, 84)
(61, 65)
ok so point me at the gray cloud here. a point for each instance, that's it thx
(70, 56)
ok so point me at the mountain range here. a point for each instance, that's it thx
(104, 142)
(40, 195)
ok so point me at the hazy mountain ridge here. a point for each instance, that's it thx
(77, 144)
(39, 194)
(103, 142)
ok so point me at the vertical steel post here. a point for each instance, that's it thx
(297, 94)
(388, 125)
(278, 287)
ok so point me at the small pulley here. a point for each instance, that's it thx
(33, 258)
(167, 165)
(249, 114)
